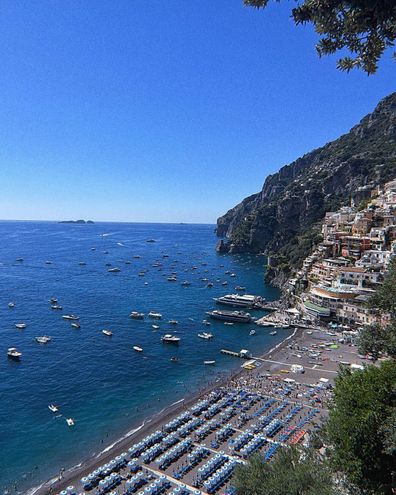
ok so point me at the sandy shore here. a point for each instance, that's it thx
(73, 475)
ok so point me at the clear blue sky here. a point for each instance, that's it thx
(160, 110)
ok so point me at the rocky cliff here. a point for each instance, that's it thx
(282, 218)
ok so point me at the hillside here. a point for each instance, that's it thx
(281, 219)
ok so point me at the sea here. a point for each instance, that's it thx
(99, 381)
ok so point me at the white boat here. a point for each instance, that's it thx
(170, 339)
(109, 333)
(273, 333)
(156, 327)
(44, 339)
(11, 305)
(70, 317)
(82, 263)
(155, 315)
(70, 422)
(252, 332)
(173, 322)
(53, 300)
(238, 287)
(205, 335)
(53, 408)
(228, 323)
(224, 283)
(230, 316)
(114, 270)
(137, 348)
(136, 315)
(206, 322)
(56, 306)
(210, 363)
(172, 279)
(239, 300)
(14, 354)
(19, 259)
(20, 326)
(76, 325)
(186, 283)
(309, 332)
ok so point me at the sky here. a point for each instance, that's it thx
(161, 111)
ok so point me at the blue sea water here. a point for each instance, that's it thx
(100, 381)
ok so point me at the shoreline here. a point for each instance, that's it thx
(73, 474)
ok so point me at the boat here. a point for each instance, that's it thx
(136, 256)
(170, 339)
(239, 300)
(76, 325)
(150, 240)
(232, 275)
(19, 259)
(205, 335)
(156, 327)
(252, 332)
(82, 263)
(142, 274)
(93, 249)
(53, 408)
(127, 262)
(206, 322)
(173, 322)
(70, 422)
(43, 340)
(53, 300)
(309, 332)
(228, 323)
(155, 315)
(113, 270)
(273, 332)
(224, 283)
(14, 354)
(137, 348)
(238, 287)
(210, 363)
(174, 359)
(209, 285)
(230, 316)
(70, 317)
(186, 283)
(56, 306)
(172, 279)
(11, 304)
(20, 326)
(109, 333)
(136, 315)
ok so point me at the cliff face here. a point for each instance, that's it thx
(282, 218)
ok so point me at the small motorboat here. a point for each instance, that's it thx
(19, 260)
(136, 315)
(173, 322)
(238, 287)
(252, 332)
(206, 323)
(273, 332)
(155, 315)
(172, 279)
(53, 300)
(224, 283)
(43, 340)
(210, 363)
(232, 275)
(109, 333)
(93, 249)
(186, 283)
(174, 359)
(70, 317)
(20, 326)
(137, 348)
(56, 306)
(70, 421)
(228, 323)
(141, 274)
(82, 263)
(76, 325)
(136, 256)
(170, 339)
(155, 327)
(205, 335)
(11, 305)
(53, 408)
(150, 240)
(48, 262)
(209, 285)
(114, 270)
(14, 354)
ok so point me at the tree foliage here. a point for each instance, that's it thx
(292, 472)
(361, 429)
(364, 27)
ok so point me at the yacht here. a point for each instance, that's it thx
(11, 305)
(70, 317)
(230, 316)
(239, 300)
(114, 270)
(43, 340)
(14, 354)
(210, 363)
(76, 325)
(53, 408)
(155, 315)
(20, 326)
(137, 348)
(109, 333)
(136, 315)
(70, 422)
(170, 339)
(205, 335)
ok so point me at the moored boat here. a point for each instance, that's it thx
(70, 317)
(11, 304)
(137, 348)
(239, 300)
(210, 362)
(44, 339)
(155, 315)
(274, 332)
(109, 333)
(170, 339)
(230, 316)
(173, 322)
(114, 270)
(75, 325)
(205, 335)
(14, 354)
(135, 315)
(53, 408)
(20, 326)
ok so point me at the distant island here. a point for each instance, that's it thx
(76, 221)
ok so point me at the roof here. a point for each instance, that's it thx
(354, 269)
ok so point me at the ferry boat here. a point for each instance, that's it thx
(20, 326)
(70, 317)
(205, 335)
(43, 340)
(14, 354)
(136, 315)
(170, 339)
(137, 348)
(109, 333)
(230, 316)
(155, 315)
(239, 300)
